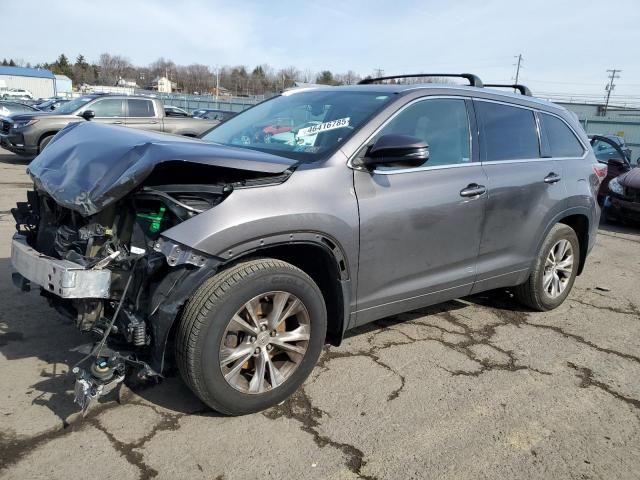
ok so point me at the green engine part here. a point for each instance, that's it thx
(155, 218)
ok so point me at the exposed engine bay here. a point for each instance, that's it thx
(149, 277)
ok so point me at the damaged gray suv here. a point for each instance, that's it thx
(235, 257)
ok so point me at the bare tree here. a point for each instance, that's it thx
(113, 67)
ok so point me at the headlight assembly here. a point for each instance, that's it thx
(24, 123)
(615, 187)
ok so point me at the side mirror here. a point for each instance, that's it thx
(88, 114)
(392, 148)
(52, 107)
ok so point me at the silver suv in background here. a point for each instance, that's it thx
(29, 133)
(237, 257)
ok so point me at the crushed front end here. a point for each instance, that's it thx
(111, 273)
(89, 235)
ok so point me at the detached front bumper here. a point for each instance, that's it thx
(63, 278)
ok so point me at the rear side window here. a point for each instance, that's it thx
(561, 141)
(507, 133)
(140, 108)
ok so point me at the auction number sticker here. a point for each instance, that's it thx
(323, 127)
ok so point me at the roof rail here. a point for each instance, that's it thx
(474, 80)
(523, 89)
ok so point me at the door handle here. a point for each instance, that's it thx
(117, 122)
(473, 190)
(552, 178)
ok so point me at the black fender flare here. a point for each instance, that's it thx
(578, 210)
(326, 242)
(170, 295)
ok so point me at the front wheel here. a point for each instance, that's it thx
(250, 335)
(44, 142)
(554, 271)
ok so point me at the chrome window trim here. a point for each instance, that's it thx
(396, 171)
(462, 98)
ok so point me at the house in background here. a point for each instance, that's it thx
(126, 83)
(163, 85)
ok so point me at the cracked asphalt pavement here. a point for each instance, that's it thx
(474, 388)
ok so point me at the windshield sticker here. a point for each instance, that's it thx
(323, 127)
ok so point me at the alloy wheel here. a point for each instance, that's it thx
(558, 268)
(264, 342)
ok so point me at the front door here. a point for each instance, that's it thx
(420, 227)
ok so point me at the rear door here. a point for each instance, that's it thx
(525, 191)
(420, 227)
(108, 110)
(141, 113)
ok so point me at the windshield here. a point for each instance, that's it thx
(304, 125)
(73, 105)
(7, 108)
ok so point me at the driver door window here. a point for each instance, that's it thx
(108, 108)
(442, 123)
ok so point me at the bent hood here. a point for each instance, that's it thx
(88, 166)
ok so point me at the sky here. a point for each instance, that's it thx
(567, 45)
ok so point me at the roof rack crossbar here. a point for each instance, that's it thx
(523, 89)
(474, 80)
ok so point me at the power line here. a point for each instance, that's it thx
(610, 86)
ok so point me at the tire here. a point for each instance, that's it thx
(44, 142)
(207, 322)
(534, 293)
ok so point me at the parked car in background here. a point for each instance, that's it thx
(8, 107)
(16, 93)
(51, 104)
(621, 197)
(239, 262)
(613, 153)
(171, 111)
(213, 114)
(29, 133)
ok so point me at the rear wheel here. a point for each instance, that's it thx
(250, 336)
(554, 271)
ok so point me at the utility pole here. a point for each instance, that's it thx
(378, 72)
(519, 57)
(610, 86)
(217, 81)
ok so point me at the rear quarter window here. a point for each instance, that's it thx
(140, 108)
(507, 133)
(560, 139)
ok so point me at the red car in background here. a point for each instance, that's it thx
(610, 152)
(280, 125)
(620, 191)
